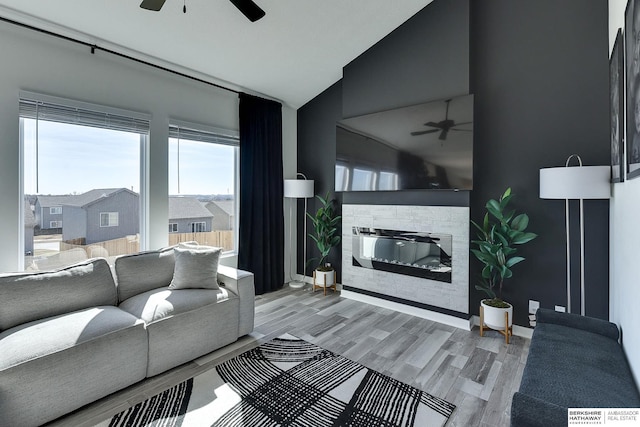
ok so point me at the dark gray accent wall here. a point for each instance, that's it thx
(539, 72)
(317, 159)
(540, 78)
(426, 58)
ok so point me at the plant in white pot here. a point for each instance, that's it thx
(325, 226)
(501, 231)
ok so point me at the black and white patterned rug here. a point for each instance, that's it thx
(288, 382)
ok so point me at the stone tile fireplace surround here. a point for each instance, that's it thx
(436, 300)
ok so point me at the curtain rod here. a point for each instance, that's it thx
(113, 52)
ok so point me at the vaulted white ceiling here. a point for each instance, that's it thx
(292, 54)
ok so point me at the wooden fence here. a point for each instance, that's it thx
(122, 246)
(221, 239)
(131, 244)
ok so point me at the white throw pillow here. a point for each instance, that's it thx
(196, 268)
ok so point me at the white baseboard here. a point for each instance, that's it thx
(408, 309)
(520, 331)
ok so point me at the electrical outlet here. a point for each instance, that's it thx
(560, 308)
(533, 306)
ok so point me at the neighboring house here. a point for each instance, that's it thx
(112, 216)
(95, 216)
(29, 225)
(49, 209)
(222, 211)
(188, 215)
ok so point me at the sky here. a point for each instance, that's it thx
(74, 159)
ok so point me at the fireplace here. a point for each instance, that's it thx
(432, 240)
(419, 254)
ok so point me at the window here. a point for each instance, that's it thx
(342, 177)
(388, 181)
(198, 227)
(173, 227)
(108, 219)
(363, 180)
(203, 184)
(84, 160)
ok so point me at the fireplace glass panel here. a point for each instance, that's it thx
(418, 254)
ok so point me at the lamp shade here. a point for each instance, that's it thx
(298, 188)
(575, 182)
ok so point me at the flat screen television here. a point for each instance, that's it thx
(427, 146)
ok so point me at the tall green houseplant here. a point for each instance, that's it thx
(325, 225)
(501, 231)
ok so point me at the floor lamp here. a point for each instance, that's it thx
(297, 189)
(571, 183)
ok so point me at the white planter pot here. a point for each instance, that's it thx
(494, 317)
(325, 278)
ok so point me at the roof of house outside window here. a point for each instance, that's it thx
(185, 207)
(76, 199)
(226, 205)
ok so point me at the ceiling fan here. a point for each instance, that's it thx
(248, 8)
(443, 126)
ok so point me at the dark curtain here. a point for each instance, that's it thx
(261, 235)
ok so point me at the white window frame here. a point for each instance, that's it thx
(55, 224)
(222, 136)
(195, 225)
(55, 210)
(110, 217)
(143, 119)
(173, 227)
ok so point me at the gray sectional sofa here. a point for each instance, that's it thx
(75, 335)
(573, 362)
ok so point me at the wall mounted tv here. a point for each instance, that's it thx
(424, 146)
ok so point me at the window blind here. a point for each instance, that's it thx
(72, 112)
(203, 134)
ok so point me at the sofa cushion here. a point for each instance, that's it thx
(53, 366)
(196, 268)
(32, 296)
(143, 271)
(575, 368)
(42, 337)
(158, 304)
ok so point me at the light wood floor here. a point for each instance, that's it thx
(479, 375)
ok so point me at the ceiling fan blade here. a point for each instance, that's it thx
(433, 124)
(443, 135)
(463, 123)
(249, 9)
(423, 132)
(154, 5)
(461, 130)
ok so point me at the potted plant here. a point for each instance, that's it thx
(325, 226)
(501, 231)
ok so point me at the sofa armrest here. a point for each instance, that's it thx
(240, 282)
(527, 411)
(589, 324)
